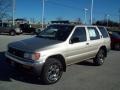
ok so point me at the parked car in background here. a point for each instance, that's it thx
(115, 40)
(117, 32)
(58, 46)
(26, 28)
(7, 28)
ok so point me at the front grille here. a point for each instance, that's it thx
(16, 52)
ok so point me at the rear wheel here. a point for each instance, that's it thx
(52, 71)
(100, 57)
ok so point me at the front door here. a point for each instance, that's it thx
(78, 47)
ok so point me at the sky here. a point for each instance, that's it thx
(67, 9)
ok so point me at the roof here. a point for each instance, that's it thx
(76, 25)
(60, 22)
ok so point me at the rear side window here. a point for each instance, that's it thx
(103, 32)
(93, 33)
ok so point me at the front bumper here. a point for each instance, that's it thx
(35, 66)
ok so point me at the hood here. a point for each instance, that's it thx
(33, 44)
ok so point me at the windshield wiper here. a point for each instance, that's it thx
(46, 37)
(39, 36)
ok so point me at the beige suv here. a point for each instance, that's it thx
(50, 52)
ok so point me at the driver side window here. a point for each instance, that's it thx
(79, 34)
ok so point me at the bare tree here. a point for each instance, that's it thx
(5, 8)
(78, 21)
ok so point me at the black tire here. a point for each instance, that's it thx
(12, 33)
(52, 71)
(100, 57)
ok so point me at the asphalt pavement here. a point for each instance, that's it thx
(80, 76)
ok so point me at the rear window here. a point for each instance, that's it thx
(103, 32)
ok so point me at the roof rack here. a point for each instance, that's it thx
(60, 22)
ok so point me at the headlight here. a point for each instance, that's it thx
(33, 56)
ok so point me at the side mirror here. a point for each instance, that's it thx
(74, 40)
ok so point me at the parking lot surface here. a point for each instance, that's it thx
(80, 76)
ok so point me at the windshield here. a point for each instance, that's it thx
(56, 32)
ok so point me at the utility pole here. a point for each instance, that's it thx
(119, 17)
(91, 16)
(108, 19)
(43, 11)
(85, 10)
(13, 18)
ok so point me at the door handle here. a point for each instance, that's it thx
(87, 43)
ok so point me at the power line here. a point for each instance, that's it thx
(72, 1)
(63, 5)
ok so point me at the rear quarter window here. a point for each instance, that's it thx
(103, 32)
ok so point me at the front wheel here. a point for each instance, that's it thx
(12, 33)
(52, 71)
(100, 57)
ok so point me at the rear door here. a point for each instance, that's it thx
(95, 40)
(5, 28)
(1, 27)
